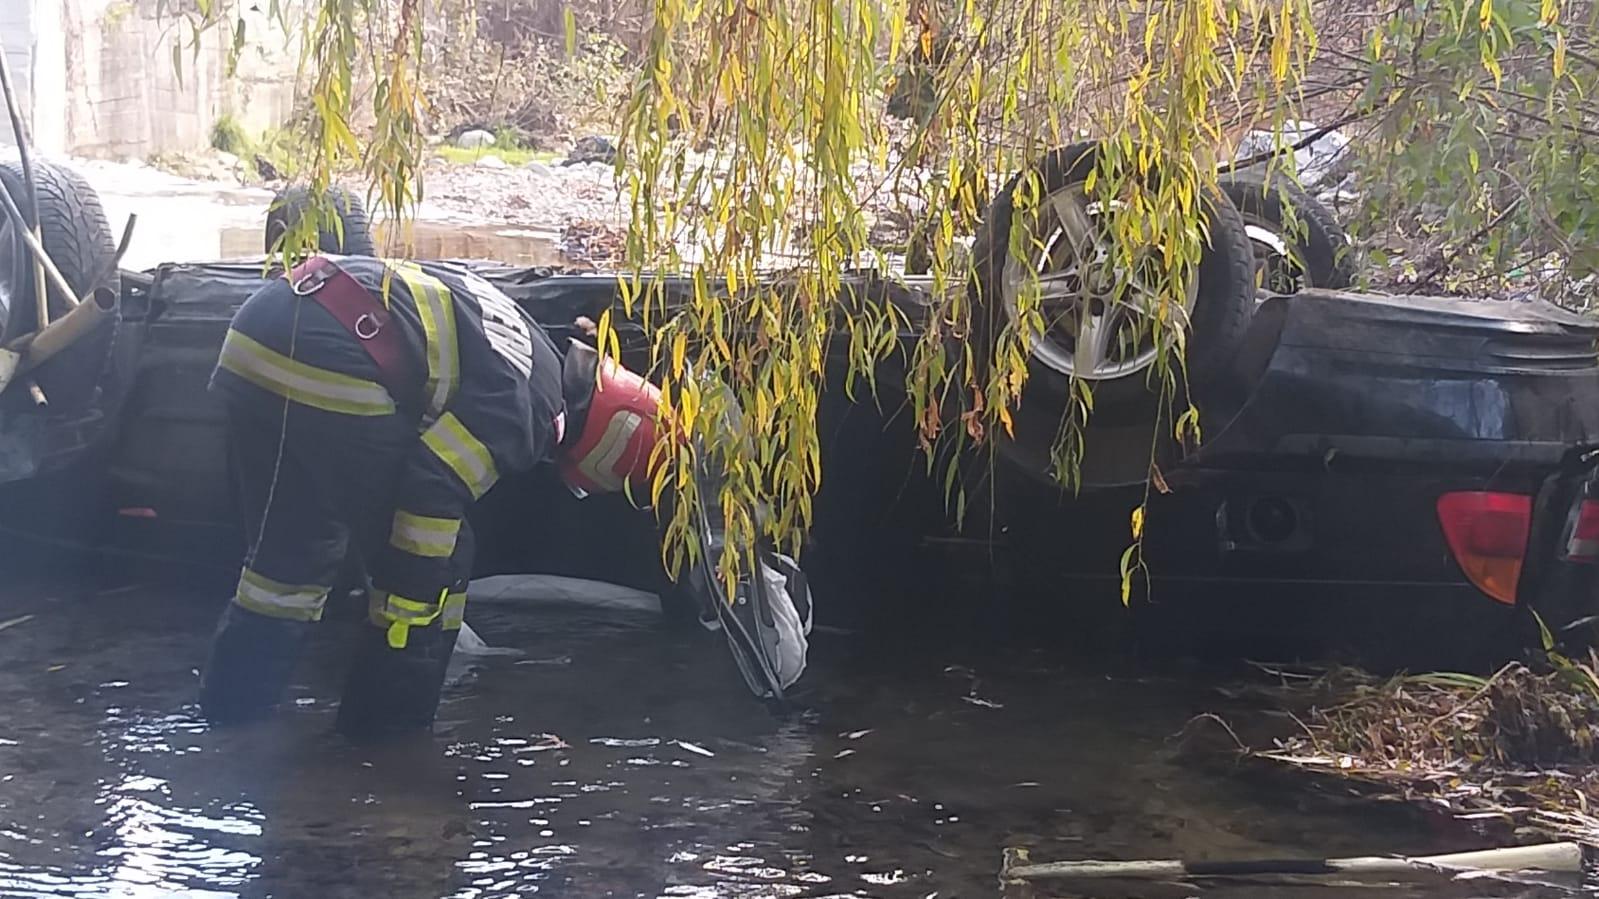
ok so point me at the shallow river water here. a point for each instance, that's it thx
(612, 758)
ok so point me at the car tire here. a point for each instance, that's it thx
(77, 236)
(1124, 421)
(1318, 246)
(353, 237)
(73, 228)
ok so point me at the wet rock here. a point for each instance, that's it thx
(492, 162)
(206, 165)
(266, 169)
(592, 149)
(595, 242)
(475, 139)
(1318, 164)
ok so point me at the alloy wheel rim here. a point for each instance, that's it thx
(1098, 319)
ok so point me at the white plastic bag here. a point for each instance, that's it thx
(788, 597)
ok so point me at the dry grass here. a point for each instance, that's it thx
(1518, 747)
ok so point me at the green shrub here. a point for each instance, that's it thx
(229, 136)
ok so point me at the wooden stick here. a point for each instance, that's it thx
(1565, 858)
(41, 295)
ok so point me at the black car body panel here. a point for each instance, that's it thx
(1414, 380)
(1348, 417)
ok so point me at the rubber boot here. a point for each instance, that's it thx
(252, 658)
(394, 692)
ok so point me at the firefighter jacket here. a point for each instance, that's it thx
(483, 388)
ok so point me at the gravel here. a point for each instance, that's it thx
(534, 195)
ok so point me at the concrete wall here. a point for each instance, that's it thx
(17, 34)
(99, 79)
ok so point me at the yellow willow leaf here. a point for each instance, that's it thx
(679, 350)
(658, 486)
(690, 407)
(1138, 521)
(668, 388)
(1485, 15)
(1549, 12)
(1491, 63)
(1559, 67)
(1004, 419)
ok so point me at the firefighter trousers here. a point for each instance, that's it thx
(316, 488)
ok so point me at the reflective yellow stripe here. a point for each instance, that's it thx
(600, 463)
(264, 596)
(454, 611)
(437, 311)
(397, 615)
(461, 453)
(421, 535)
(306, 384)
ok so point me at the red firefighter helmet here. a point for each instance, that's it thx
(611, 417)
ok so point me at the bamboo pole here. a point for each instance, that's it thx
(33, 349)
(1554, 858)
(31, 222)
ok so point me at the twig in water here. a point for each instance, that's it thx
(20, 619)
(1212, 716)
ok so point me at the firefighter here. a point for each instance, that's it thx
(370, 402)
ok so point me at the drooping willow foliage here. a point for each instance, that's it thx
(1484, 141)
(754, 136)
(789, 93)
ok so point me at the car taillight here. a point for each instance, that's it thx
(1583, 543)
(1487, 532)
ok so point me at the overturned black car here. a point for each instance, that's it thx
(1412, 476)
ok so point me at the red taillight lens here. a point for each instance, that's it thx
(1583, 544)
(1487, 532)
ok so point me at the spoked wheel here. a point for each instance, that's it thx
(1297, 242)
(1277, 269)
(1097, 322)
(1099, 318)
(350, 235)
